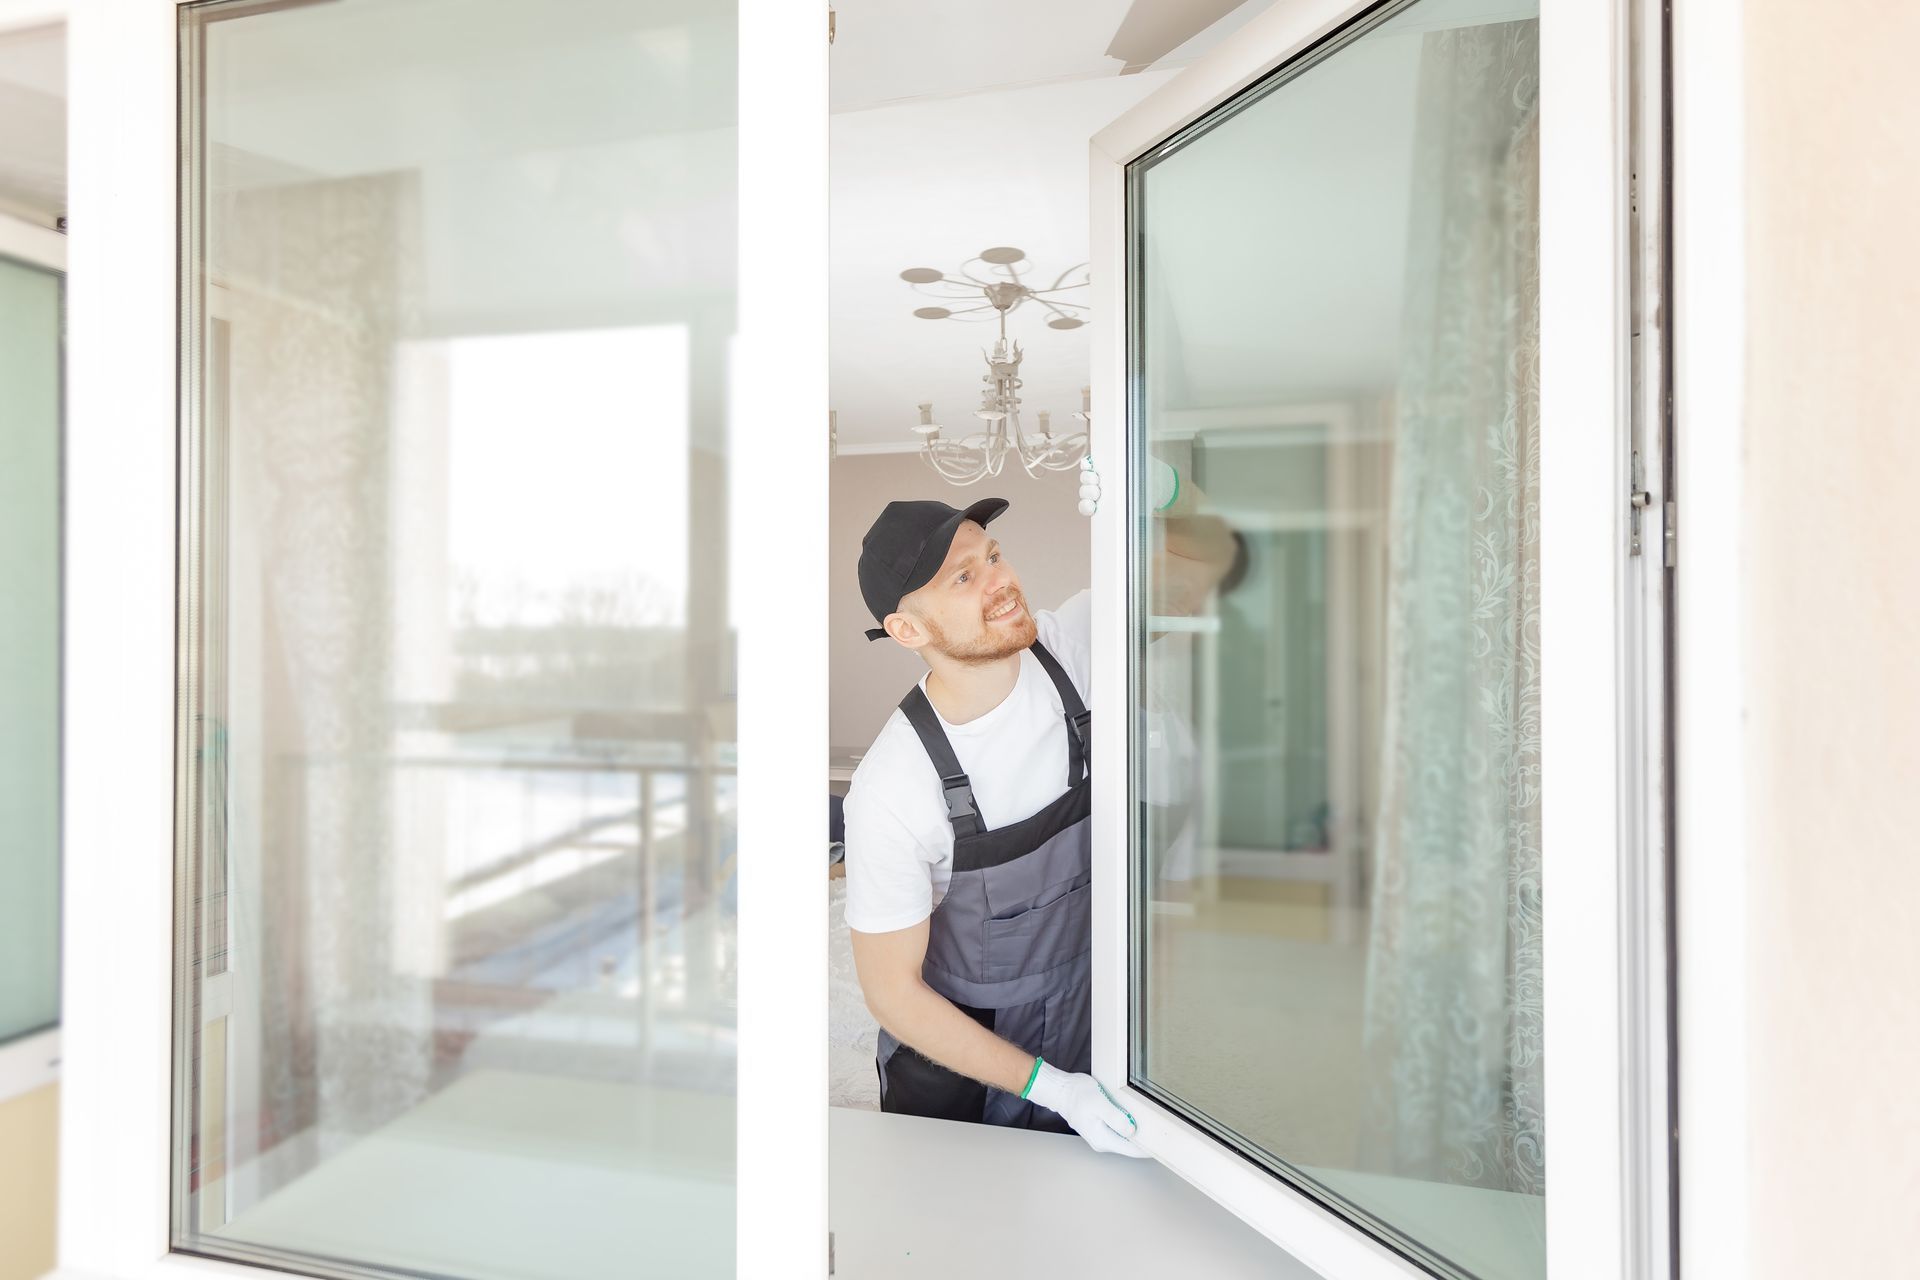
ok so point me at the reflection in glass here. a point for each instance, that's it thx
(458, 901)
(1337, 770)
(29, 649)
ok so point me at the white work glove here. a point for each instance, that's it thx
(1089, 487)
(1085, 1105)
(1163, 484)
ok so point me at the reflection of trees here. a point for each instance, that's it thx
(626, 599)
(610, 640)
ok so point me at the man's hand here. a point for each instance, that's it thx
(1084, 1104)
(1193, 548)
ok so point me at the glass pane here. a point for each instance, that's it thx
(29, 649)
(1336, 770)
(457, 899)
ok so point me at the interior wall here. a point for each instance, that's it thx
(29, 1126)
(1044, 536)
(1833, 625)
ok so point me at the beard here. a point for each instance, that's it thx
(987, 643)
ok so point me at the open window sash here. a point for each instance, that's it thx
(1605, 976)
(124, 474)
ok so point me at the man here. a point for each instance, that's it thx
(968, 852)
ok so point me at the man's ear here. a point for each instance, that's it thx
(905, 629)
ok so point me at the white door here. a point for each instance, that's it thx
(1380, 933)
(432, 697)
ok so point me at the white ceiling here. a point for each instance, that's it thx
(931, 184)
(957, 127)
(1306, 195)
(1279, 242)
(33, 123)
(990, 148)
(570, 174)
(889, 51)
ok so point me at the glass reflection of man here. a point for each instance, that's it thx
(968, 854)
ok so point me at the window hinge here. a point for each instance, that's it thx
(1638, 500)
(1668, 536)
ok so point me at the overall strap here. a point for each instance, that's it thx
(1079, 719)
(961, 810)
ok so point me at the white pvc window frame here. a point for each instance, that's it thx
(120, 658)
(1604, 1216)
(122, 309)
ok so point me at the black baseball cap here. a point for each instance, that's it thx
(906, 546)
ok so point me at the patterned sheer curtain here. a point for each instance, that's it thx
(1453, 1017)
(319, 288)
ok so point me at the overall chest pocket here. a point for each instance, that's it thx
(1041, 937)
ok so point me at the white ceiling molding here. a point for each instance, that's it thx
(1153, 29)
(33, 111)
(886, 52)
(19, 15)
(877, 447)
(28, 241)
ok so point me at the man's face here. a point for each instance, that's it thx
(973, 610)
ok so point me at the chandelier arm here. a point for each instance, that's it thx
(960, 290)
(1051, 460)
(983, 452)
(1002, 272)
(949, 467)
(1053, 454)
(1064, 274)
(1032, 466)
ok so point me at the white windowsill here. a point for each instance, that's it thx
(29, 1063)
(935, 1199)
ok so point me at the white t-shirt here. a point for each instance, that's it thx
(899, 841)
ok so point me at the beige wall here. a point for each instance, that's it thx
(28, 1125)
(1045, 537)
(1833, 548)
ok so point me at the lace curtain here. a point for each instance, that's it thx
(320, 275)
(1453, 1018)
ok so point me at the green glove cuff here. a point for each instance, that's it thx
(1175, 496)
(1031, 1077)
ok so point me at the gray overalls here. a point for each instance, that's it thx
(1011, 944)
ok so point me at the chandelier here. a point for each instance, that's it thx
(983, 453)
